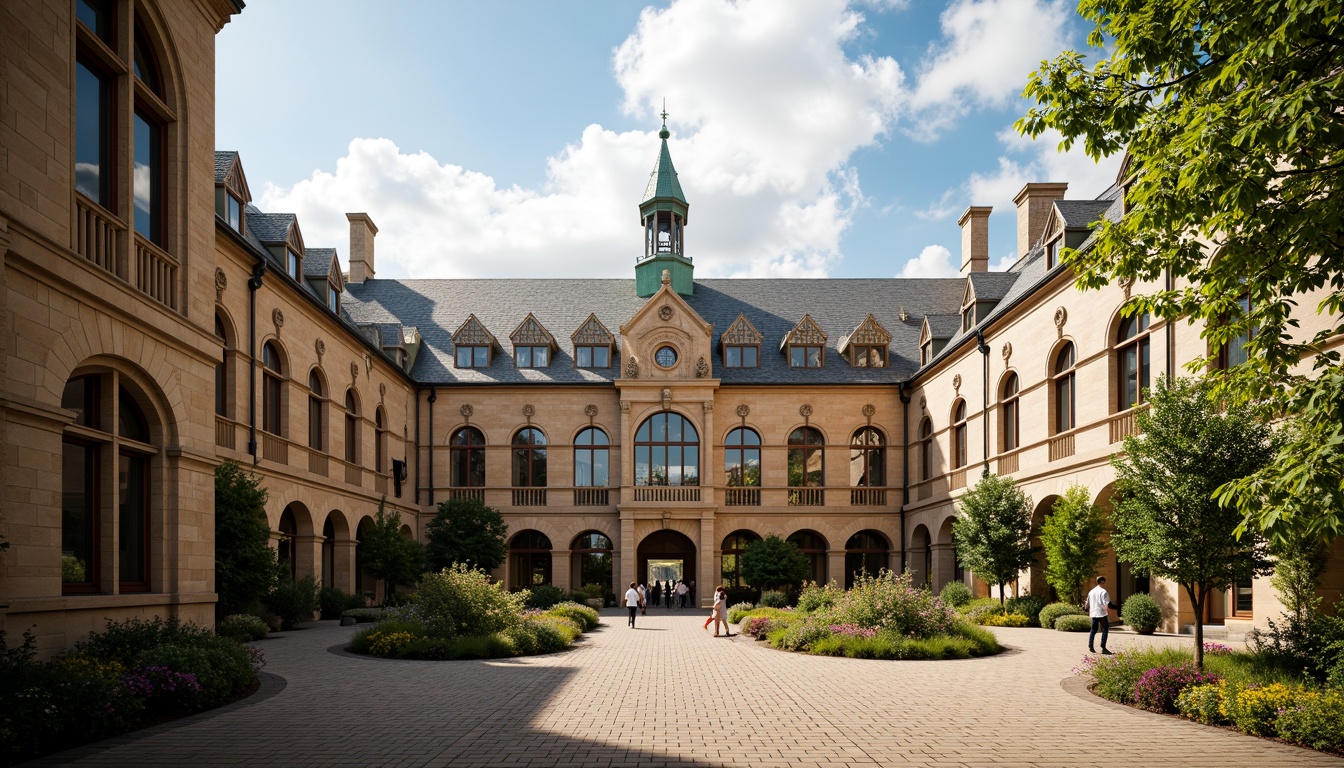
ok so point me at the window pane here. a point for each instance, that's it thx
(748, 357)
(601, 472)
(690, 462)
(221, 388)
(583, 357)
(81, 396)
(523, 356)
(733, 357)
(133, 522)
(1143, 369)
(674, 428)
(659, 428)
(464, 357)
(1129, 377)
(659, 458)
(541, 357)
(148, 202)
(95, 16)
(814, 357)
(1010, 425)
(130, 421)
(235, 213)
(481, 357)
(797, 357)
(641, 465)
(78, 514)
(601, 357)
(91, 130)
(673, 464)
(583, 467)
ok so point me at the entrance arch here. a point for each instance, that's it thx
(665, 550)
(1036, 585)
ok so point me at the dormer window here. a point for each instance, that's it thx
(473, 357)
(231, 193)
(866, 346)
(234, 212)
(593, 344)
(967, 317)
(868, 357)
(333, 298)
(805, 355)
(925, 353)
(741, 356)
(805, 344)
(1052, 253)
(741, 344)
(591, 356)
(531, 357)
(292, 262)
(474, 344)
(532, 344)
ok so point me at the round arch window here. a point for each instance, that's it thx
(665, 357)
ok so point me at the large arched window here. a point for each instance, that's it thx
(466, 458)
(1008, 413)
(667, 451)
(867, 459)
(591, 553)
(1132, 360)
(529, 560)
(959, 434)
(223, 369)
(925, 449)
(592, 466)
(865, 552)
(814, 547)
(379, 441)
(317, 412)
(273, 373)
(742, 467)
(733, 546)
(122, 445)
(289, 533)
(1064, 389)
(529, 458)
(352, 437)
(807, 467)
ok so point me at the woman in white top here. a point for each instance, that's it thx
(632, 602)
(721, 611)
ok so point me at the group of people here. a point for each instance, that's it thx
(672, 594)
(637, 598)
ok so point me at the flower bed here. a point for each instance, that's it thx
(881, 617)
(460, 614)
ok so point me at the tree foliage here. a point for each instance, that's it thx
(1229, 113)
(386, 554)
(466, 531)
(246, 567)
(1071, 538)
(772, 562)
(992, 531)
(1166, 520)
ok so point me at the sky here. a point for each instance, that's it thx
(812, 138)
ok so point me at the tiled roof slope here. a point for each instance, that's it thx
(317, 261)
(992, 286)
(437, 307)
(1081, 213)
(223, 162)
(268, 227)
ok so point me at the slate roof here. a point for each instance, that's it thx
(944, 325)
(992, 286)
(223, 162)
(437, 307)
(317, 262)
(268, 228)
(1079, 214)
(663, 181)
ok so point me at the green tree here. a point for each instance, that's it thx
(1166, 519)
(1071, 538)
(772, 563)
(246, 567)
(992, 531)
(468, 532)
(1228, 111)
(387, 555)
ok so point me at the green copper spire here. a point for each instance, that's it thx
(663, 182)
(663, 214)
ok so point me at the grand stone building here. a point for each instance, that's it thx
(157, 323)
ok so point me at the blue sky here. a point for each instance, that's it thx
(514, 139)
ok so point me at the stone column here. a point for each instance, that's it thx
(944, 565)
(561, 575)
(343, 565)
(626, 559)
(710, 560)
(835, 566)
(308, 554)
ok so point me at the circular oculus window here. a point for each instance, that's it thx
(665, 357)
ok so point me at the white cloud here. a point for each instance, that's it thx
(933, 261)
(942, 207)
(762, 156)
(1040, 159)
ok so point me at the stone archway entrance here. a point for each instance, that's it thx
(659, 555)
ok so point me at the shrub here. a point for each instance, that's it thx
(1141, 613)
(1005, 620)
(1315, 721)
(388, 644)
(815, 597)
(1157, 688)
(761, 626)
(400, 599)
(221, 666)
(982, 640)
(1073, 623)
(1202, 703)
(545, 596)
(55, 705)
(1053, 611)
(523, 637)
(1114, 677)
(550, 637)
(242, 628)
(891, 602)
(1255, 710)
(955, 594)
(164, 689)
(772, 599)
(1027, 605)
(585, 617)
(800, 635)
(293, 601)
(460, 601)
(976, 610)
(365, 615)
(332, 602)
(124, 641)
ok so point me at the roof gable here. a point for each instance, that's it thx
(593, 333)
(229, 173)
(741, 332)
(530, 332)
(805, 332)
(870, 333)
(472, 333)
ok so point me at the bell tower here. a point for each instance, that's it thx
(663, 214)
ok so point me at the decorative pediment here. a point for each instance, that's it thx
(531, 333)
(870, 333)
(805, 332)
(741, 332)
(968, 295)
(334, 275)
(925, 332)
(294, 238)
(236, 182)
(471, 333)
(593, 333)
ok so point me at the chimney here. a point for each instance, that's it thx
(362, 230)
(974, 225)
(1033, 208)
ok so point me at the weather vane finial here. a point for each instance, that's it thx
(662, 133)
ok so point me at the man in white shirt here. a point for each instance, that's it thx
(1098, 601)
(632, 602)
(682, 589)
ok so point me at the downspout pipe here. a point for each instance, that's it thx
(433, 395)
(984, 412)
(905, 463)
(417, 446)
(1171, 333)
(253, 285)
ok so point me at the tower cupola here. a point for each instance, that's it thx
(663, 214)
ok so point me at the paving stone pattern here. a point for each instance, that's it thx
(670, 694)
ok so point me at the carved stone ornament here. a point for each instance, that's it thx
(708, 406)
(590, 411)
(278, 318)
(466, 411)
(221, 283)
(869, 410)
(743, 410)
(321, 348)
(382, 392)
(631, 369)
(529, 410)
(354, 371)
(667, 398)
(805, 411)
(923, 403)
(1007, 350)
(665, 313)
(701, 368)
(625, 406)
(1061, 317)
(956, 382)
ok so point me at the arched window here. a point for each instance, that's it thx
(223, 369)
(925, 449)
(1132, 360)
(1064, 389)
(379, 441)
(591, 552)
(807, 467)
(959, 434)
(814, 547)
(289, 531)
(121, 445)
(352, 437)
(466, 459)
(667, 451)
(865, 552)
(742, 467)
(592, 466)
(867, 459)
(1008, 413)
(317, 412)
(273, 372)
(733, 547)
(529, 560)
(1233, 352)
(529, 459)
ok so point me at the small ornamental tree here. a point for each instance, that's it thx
(246, 567)
(992, 531)
(1167, 521)
(386, 554)
(772, 563)
(468, 532)
(1071, 538)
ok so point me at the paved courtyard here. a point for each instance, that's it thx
(670, 694)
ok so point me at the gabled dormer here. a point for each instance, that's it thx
(533, 345)
(231, 192)
(322, 273)
(279, 233)
(594, 345)
(1069, 224)
(740, 345)
(805, 345)
(867, 346)
(473, 345)
(934, 334)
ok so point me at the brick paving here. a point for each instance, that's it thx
(670, 694)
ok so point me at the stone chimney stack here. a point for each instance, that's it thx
(1033, 208)
(974, 225)
(362, 230)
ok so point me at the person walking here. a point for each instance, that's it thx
(721, 612)
(632, 602)
(1098, 602)
(682, 589)
(657, 592)
(643, 600)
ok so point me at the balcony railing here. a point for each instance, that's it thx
(274, 448)
(529, 497)
(742, 497)
(868, 497)
(807, 497)
(1008, 463)
(98, 236)
(155, 272)
(225, 433)
(466, 494)
(1124, 424)
(957, 480)
(590, 497)
(1061, 447)
(354, 474)
(317, 462)
(667, 493)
